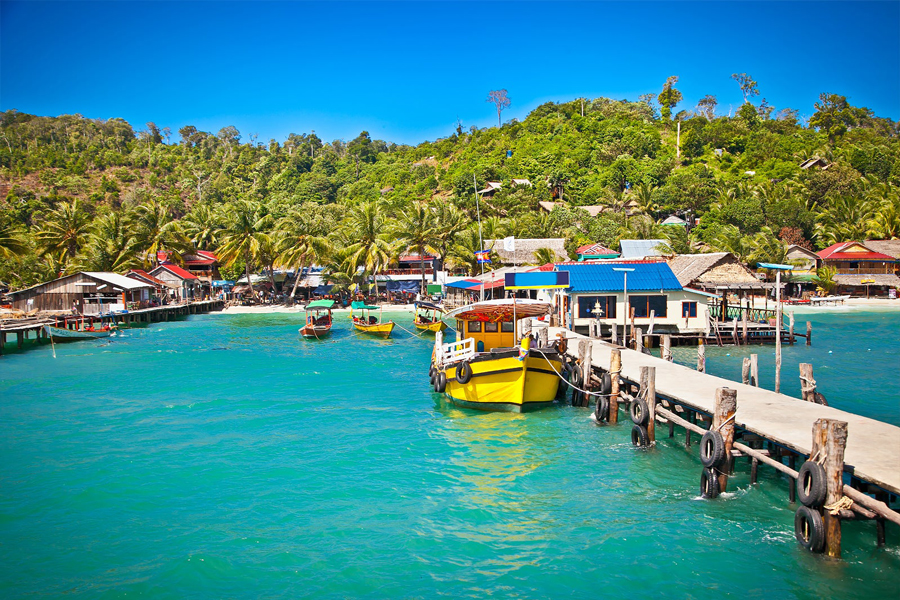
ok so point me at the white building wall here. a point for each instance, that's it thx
(672, 321)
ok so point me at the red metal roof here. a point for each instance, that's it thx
(415, 258)
(175, 269)
(202, 257)
(145, 276)
(593, 249)
(837, 252)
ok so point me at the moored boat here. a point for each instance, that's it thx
(318, 319)
(61, 334)
(487, 368)
(428, 317)
(369, 323)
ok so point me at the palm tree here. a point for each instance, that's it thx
(844, 219)
(110, 245)
(371, 249)
(449, 220)
(64, 230)
(643, 194)
(156, 231)
(824, 279)
(299, 242)
(730, 239)
(11, 242)
(245, 236)
(415, 231)
(542, 256)
(462, 253)
(202, 226)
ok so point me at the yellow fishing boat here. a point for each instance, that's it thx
(368, 323)
(487, 368)
(428, 317)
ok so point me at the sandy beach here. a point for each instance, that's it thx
(278, 308)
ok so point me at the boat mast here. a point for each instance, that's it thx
(480, 240)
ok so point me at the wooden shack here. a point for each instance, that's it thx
(87, 292)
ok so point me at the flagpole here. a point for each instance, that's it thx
(480, 239)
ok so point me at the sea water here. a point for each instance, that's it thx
(224, 456)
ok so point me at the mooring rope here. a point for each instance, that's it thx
(567, 382)
(811, 382)
(836, 507)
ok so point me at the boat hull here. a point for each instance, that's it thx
(501, 382)
(316, 331)
(65, 335)
(380, 329)
(433, 327)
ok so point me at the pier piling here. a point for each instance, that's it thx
(809, 333)
(701, 356)
(667, 348)
(648, 387)
(723, 422)
(807, 383)
(615, 368)
(829, 441)
(745, 371)
(754, 370)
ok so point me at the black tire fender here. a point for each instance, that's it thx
(605, 384)
(577, 376)
(464, 372)
(712, 449)
(640, 412)
(601, 413)
(809, 529)
(811, 484)
(709, 483)
(639, 436)
(440, 382)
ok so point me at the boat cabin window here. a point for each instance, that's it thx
(506, 327)
(489, 335)
(490, 328)
(474, 326)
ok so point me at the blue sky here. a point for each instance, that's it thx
(407, 71)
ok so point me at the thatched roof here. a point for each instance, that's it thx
(714, 268)
(888, 279)
(889, 247)
(525, 248)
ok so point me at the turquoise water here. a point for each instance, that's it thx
(224, 456)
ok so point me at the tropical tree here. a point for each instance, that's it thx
(371, 249)
(156, 231)
(824, 279)
(730, 239)
(202, 225)
(748, 86)
(542, 256)
(449, 220)
(245, 236)
(500, 99)
(110, 245)
(64, 230)
(669, 97)
(462, 253)
(414, 231)
(300, 241)
(11, 242)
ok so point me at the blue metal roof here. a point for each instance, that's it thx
(600, 277)
(633, 249)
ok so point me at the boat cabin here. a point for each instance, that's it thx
(491, 324)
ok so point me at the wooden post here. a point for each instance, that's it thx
(667, 348)
(20, 339)
(746, 333)
(525, 329)
(791, 326)
(701, 356)
(614, 336)
(829, 441)
(734, 333)
(648, 386)
(650, 327)
(723, 421)
(543, 336)
(638, 339)
(615, 368)
(632, 327)
(754, 370)
(809, 333)
(807, 383)
(778, 332)
(745, 371)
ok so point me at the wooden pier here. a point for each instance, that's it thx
(762, 425)
(33, 327)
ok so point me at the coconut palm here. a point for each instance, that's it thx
(156, 231)
(245, 236)
(542, 256)
(110, 245)
(844, 219)
(730, 239)
(300, 242)
(202, 226)
(11, 242)
(371, 249)
(64, 230)
(415, 231)
(449, 220)
(462, 253)
(824, 279)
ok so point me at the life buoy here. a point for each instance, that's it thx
(811, 484)
(712, 449)
(809, 529)
(464, 372)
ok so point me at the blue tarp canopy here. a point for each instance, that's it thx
(464, 284)
(642, 277)
(322, 290)
(403, 286)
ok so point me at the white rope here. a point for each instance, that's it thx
(811, 382)
(568, 383)
(731, 418)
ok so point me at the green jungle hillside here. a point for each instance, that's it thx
(84, 194)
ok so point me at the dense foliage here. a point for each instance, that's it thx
(83, 194)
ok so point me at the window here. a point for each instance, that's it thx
(688, 309)
(474, 326)
(644, 304)
(506, 327)
(586, 306)
(490, 328)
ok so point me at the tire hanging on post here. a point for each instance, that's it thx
(709, 483)
(811, 484)
(640, 412)
(639, 436)
(712, 449)
(809, 529)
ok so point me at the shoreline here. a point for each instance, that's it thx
(280, 309)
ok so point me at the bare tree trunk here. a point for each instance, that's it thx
(247, 271)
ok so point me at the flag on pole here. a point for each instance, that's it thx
(483, 256)
(509, 244)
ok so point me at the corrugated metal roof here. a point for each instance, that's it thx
(118, 280)
(600, 277)
(640, 248)
(175, 270)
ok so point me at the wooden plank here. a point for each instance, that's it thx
(873, 450)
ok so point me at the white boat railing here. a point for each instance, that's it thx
(454, 351)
